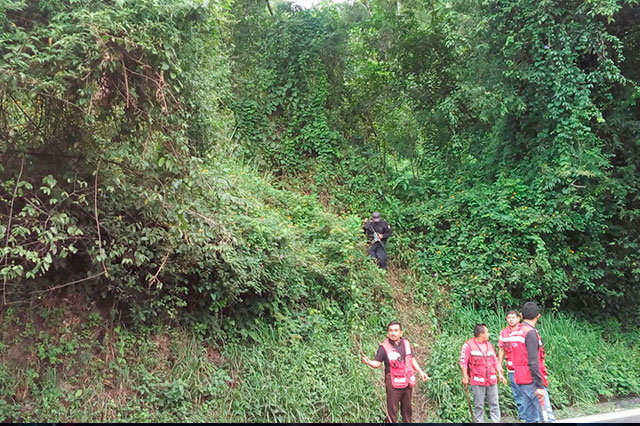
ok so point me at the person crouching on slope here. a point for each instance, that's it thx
(377, 231)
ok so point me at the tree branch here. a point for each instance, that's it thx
(95, 211)
(155, 277)
(126, 80)
(6, 244)
(269, 7)
(68, 284)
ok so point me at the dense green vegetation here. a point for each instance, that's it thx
(72, 363)
(76, 362)
(585, 361)
(501, 136)
(197, 171)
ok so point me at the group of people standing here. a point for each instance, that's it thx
(519, 344)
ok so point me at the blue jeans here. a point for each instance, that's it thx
(517, 395)
(532, 411)
(547, 406)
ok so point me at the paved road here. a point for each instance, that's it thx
(626, 416)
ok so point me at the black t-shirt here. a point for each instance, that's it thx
(381, 355)
(380, 227)
(532, 343)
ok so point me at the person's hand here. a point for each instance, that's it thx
(502, 378)
(424, 376)
(379, 235)
(540, 394)
(465, 380)
(365, 359)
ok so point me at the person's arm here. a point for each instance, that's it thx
(365, 228)
(464, 363)
(498, 367)
(500, 358)
(531, 343)
(465, 375)
(417, 368)
(377, 361)
(387, 233)
(371, 362)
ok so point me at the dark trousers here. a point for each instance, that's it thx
(395, 397)
(378, 252)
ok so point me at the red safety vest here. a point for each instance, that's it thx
(508, 338)
(522, 373)
(481, 367)
(400, 371)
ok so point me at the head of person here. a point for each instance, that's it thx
(481, 332)
(376, 217)
(530, 311)
(394, 330)
(512, 318)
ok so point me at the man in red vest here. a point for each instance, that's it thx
(530, 372)
(480, 369)
(506, 342)
(399, 366)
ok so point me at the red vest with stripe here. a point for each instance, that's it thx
(400, 371)
(509, 338)
(522, 372)
(482, 370)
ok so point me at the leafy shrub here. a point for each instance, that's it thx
(147, 208)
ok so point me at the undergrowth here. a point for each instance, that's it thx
(586, 361)
(77, 364)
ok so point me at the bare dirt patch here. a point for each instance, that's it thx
(162, 343)
(214, 356)
(18, 357)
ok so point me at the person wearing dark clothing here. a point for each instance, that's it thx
(531, 343)
(377, 250)
(399, 367)
(530, 370)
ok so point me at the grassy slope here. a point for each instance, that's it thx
(62, 359)
(71, 363)
(65, 359)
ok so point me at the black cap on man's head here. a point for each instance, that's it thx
(530, 310)
(375, 216)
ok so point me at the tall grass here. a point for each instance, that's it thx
(304, 369)
(585, 361)
(298, 369)
(319, 379)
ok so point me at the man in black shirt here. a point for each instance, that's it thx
(399, 366)
(537, 406)
(376, 227)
